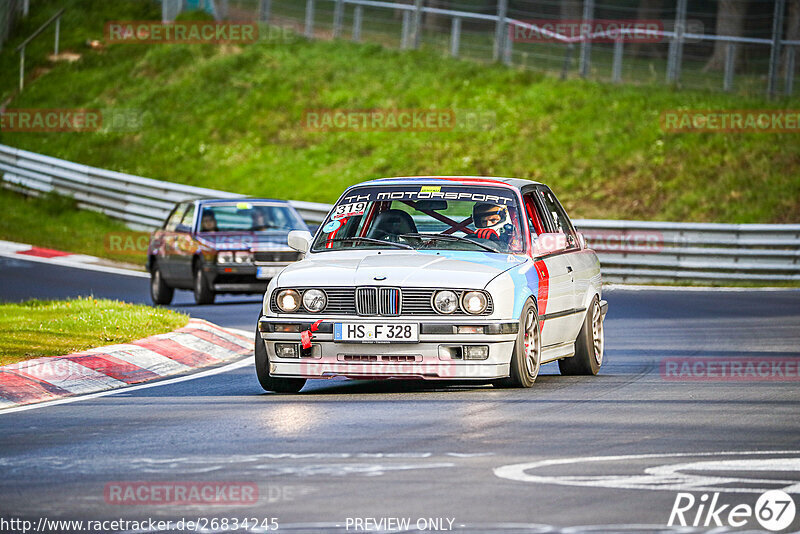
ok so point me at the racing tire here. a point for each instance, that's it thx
(589, 345)
(271, 383)
(526, 359)
(160, 292)
(203, 294)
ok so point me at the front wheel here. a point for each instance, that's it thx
(527, 356)
(589, 345)
(160, 292)
(271, 383)
(203, 293)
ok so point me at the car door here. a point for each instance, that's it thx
(166, 247)
(571, 257)
(184, 248)
(555, 271)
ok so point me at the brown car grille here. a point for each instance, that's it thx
(382, 301)
(278, 256)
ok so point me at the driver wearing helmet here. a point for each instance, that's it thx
(491, 220)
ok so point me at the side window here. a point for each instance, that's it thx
(558, 217)
(534, 220)
(188, 220)
(175, 218)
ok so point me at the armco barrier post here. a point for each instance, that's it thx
(309, 29)
(586, 43)
(500, 29)
(455, 36)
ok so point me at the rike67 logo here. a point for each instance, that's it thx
(774, 510)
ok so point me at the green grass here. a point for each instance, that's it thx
(230, 118)
(54, 222)
(51, 328)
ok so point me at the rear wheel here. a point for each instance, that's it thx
(160, 292)
(271, 383)
(203, 294)
(589, 345)
(527, 356)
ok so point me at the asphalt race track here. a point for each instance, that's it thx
(602, 454)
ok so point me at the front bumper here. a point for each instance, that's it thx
(435, 356)
(240, 278)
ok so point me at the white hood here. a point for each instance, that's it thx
(453, 269)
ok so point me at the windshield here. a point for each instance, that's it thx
(456, 217)
(249, 217)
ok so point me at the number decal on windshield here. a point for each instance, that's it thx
(349, 210)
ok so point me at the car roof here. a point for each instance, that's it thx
(239, 199)
(517, 183)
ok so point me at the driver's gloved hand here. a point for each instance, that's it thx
(487, 233)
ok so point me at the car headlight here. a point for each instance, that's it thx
(288, 300)
(243, 256)
(474, 302)
(225, 256)
(445, 301)
(314, 300)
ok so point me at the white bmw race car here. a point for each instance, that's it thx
(460, 278)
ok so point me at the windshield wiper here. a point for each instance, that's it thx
(448, 237)
(370, 240)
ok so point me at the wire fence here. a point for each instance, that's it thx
(746, 46)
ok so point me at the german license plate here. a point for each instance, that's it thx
(375, 333)
(267, 272)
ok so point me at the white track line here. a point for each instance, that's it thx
(76, 265)
(244, 362)
(634, 287)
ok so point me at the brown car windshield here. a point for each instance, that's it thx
(456, 217)
(249, 217)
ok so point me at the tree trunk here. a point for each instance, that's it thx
(730, 22)
(571, 9)
(648, 10)
(435, 21)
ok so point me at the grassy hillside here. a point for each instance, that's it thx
(230, 117)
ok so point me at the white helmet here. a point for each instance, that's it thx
(493, 216)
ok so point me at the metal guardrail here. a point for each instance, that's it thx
(630, 251)
(141, 202)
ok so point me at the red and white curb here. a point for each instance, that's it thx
(22, 251)
(198, 344)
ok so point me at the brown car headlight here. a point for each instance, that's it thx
(243, 256)
(288, 300)
(474, 302)
(225, 256)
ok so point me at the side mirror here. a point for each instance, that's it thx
(549, 243)
(183, 228)
(581, 240)
(300, 240)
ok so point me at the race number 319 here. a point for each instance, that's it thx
(775, 510)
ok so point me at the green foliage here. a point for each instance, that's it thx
(53, 221)
(51, 328)
(231, 117)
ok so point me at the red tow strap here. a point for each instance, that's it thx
(307, 335)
